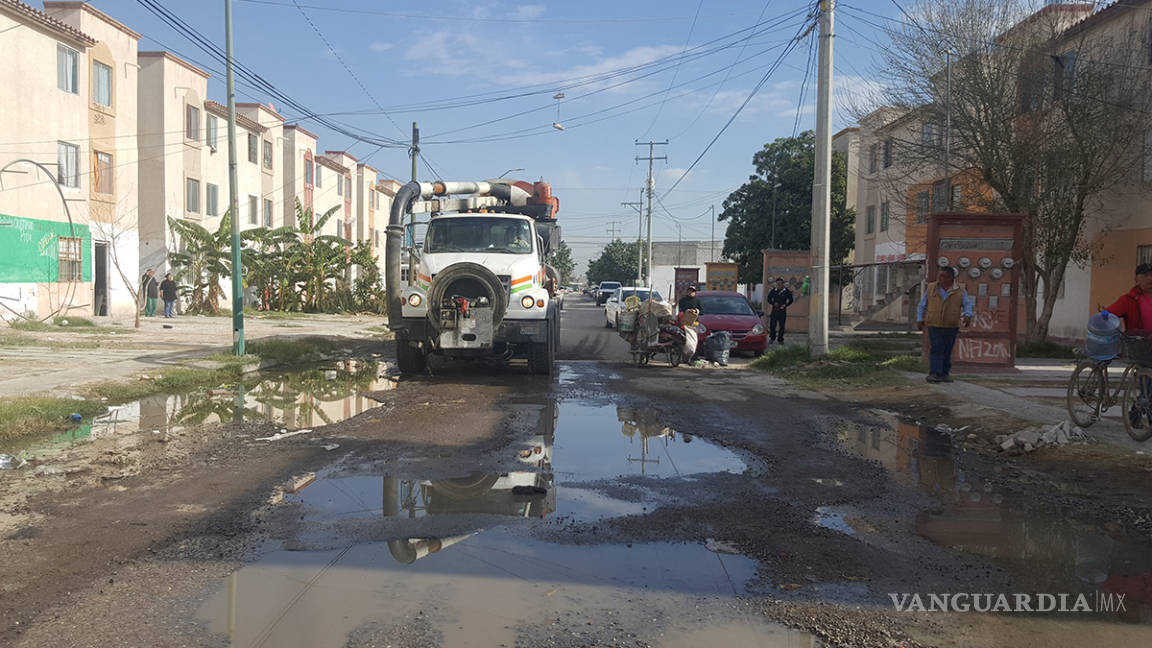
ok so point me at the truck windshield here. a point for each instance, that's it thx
(481, 234)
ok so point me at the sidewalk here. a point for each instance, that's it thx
(115, 351)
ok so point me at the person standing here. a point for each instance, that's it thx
(943, 309)
(689, 302)
(168, 289)
(151, 291)
(779, 298)
(1135, 306)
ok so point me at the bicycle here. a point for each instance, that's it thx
(1089, 393)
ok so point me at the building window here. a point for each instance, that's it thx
(252, 148)
(192, 123)
(67, 74)
(348, 186)
(872, 159)
(887, 153)
(69, 256)
(253, 210)
(884, 214)
(102, 84)
(927, 134)
(939, 197)
(1144, 254)
(319, 178)
(339, 187)
(68, 164)
(1064, 74)
(870, 220)
(212, 131)
(211, 200)
(267, 155)
(921, 206)
(308, 172)
(267, 213)
(192, 196)
(103, 174)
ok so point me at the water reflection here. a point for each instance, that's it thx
(975, 517)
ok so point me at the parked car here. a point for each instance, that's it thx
(615, 303)
(730, 311)
(605, 291)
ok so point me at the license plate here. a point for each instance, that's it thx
(530, 330)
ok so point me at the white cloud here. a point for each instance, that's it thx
(528, 12)
(666, 177)
(380, 46)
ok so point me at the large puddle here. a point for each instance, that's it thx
(451, 552)
(1045, 551)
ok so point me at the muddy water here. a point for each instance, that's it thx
(457, 554)
(1045, 553)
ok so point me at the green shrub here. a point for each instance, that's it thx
(74, 322)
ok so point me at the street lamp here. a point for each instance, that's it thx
(505, 174)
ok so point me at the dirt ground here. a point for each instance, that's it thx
(652, 507)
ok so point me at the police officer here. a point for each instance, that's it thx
(779, 298)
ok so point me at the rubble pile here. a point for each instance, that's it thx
(1031, 438)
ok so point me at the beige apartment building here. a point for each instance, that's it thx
(68, 191)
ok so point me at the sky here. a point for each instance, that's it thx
(480, 76)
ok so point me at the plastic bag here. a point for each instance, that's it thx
(718, 346)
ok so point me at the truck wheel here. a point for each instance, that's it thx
(542, 357)
(412, 360)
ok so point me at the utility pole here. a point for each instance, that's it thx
(821, 190)
(612, 228)
(651, 194)
(639, 207)
(233, 194)
(713, 208)
(415, 153)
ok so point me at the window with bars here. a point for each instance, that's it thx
(102, 84)
(887, 153)
(252, 146)
(870, 220)
(921, 207)
(103, 174)
(69, 258)
(211, 200)
(957, 196)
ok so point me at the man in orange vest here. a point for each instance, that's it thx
(943, 308)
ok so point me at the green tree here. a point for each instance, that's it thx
(789, 161)
(202, 262)
(616, 263)
(561, 259)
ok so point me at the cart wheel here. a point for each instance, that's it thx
(638, 359)
(674, 357)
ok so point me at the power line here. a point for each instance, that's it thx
(787, 50)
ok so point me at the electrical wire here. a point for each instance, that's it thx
(675, 71)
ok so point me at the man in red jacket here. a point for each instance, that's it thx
(1135, 307)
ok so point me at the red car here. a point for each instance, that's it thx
(730, 311)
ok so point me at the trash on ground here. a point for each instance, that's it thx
(284, 434)
(719, 546)
(330, 446)
(1031, 438)
(8, 462)
(298, 484)
(75, 418)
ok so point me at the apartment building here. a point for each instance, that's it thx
(299, 172)
(68, 194)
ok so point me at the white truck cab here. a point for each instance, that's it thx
(481, 283)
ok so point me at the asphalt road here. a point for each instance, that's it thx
(483, 506)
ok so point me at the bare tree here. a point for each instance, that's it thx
(118, 227)
(1047, 106)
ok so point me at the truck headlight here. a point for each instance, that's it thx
(527, 301)
(414, 300)
(757, 330)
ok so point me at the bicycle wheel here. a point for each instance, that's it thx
(1086, 394)
(1136, 404)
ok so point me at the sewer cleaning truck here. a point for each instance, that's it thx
(478, 287)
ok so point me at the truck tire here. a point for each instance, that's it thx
(542, 356)
(478, 280)
(411, 359)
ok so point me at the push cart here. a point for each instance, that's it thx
(651, 334)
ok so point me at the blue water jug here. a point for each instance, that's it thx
(1103, 340)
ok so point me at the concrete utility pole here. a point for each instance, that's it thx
(639, 207)
(651, 194)
(821, 190)
(233, 194)
(713, 208)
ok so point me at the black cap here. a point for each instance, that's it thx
(1144, 268)
(692, 287)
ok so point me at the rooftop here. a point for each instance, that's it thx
(85, 6)
(175, 59)
(42, 19)
(222, 110)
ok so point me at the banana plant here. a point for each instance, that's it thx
(202, 262)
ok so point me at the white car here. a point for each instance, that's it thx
(615, 303)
